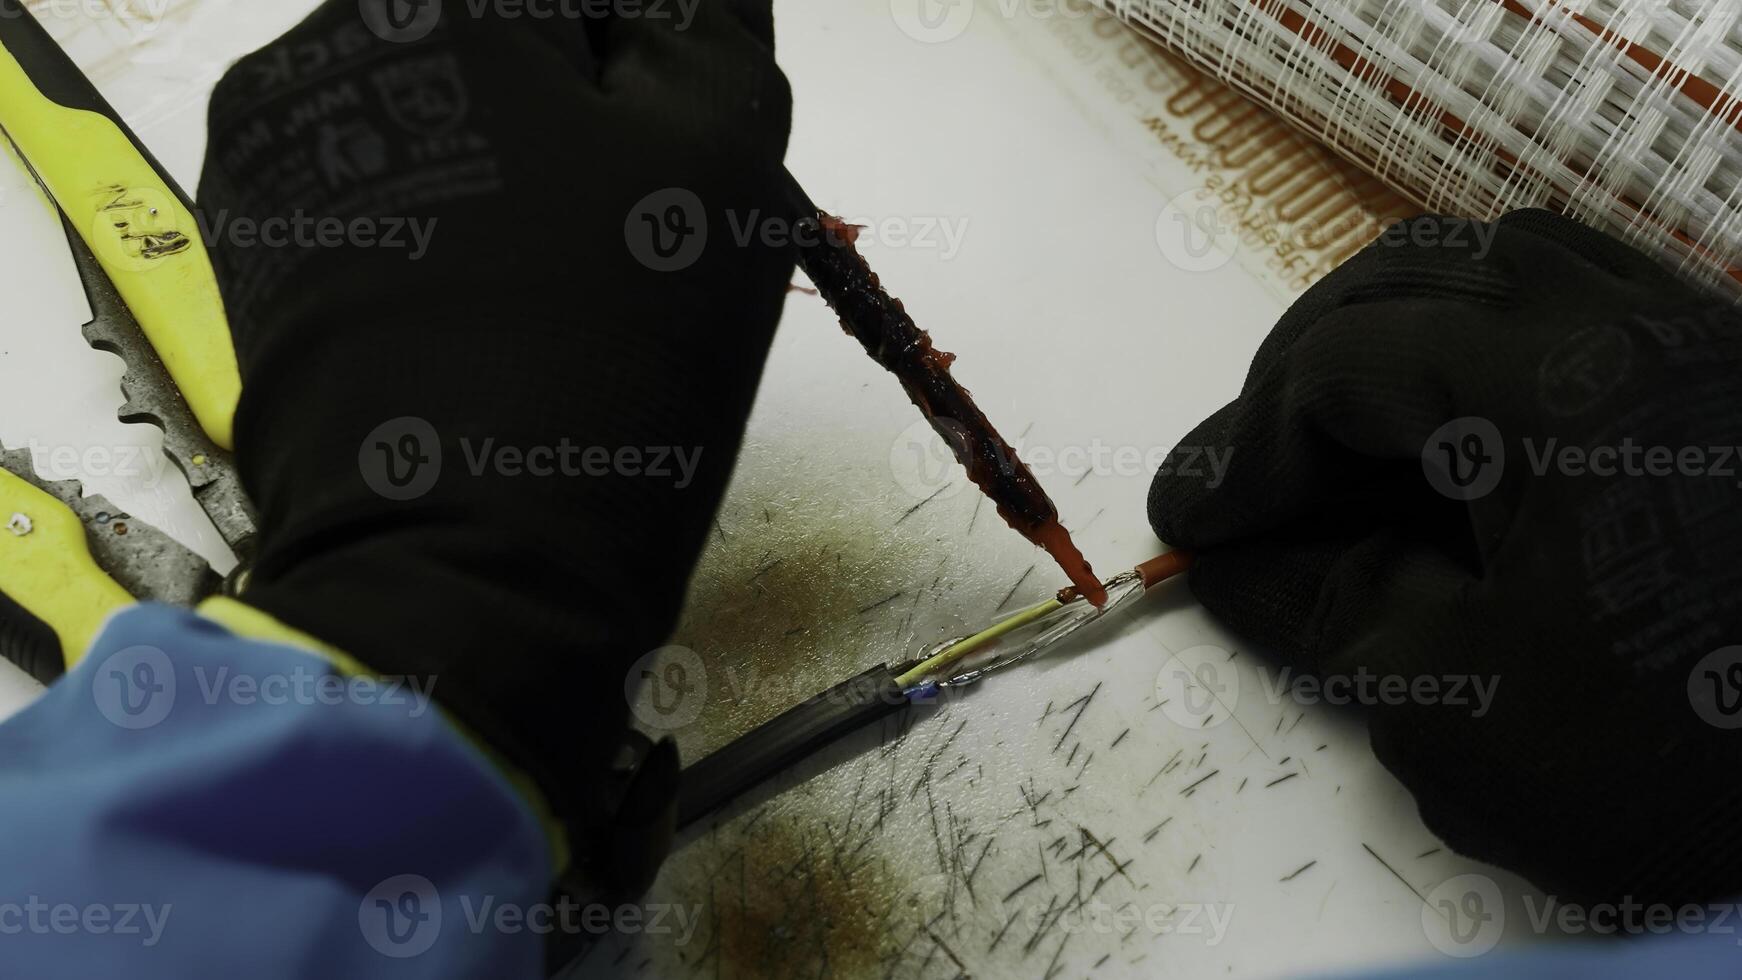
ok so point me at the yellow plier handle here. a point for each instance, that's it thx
(137, 222)
(46, 567)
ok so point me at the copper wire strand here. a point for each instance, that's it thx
(1045, 613)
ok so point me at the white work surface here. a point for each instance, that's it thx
(1092, 333)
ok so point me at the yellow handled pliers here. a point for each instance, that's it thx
(66, 563)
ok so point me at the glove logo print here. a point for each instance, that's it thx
(351, 153)
(401, 21)
(1715, 688)
(1464, 916)
(401, 917)
(401, 459)
(1583, 369)
(932, 21)
(1198, 687)
(427, 97)
(1464, 458)
(667, 687)
(667, 230)
(134, 688)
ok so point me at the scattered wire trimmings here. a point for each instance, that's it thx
(1624, 114)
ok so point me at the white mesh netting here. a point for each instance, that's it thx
(1621, 113)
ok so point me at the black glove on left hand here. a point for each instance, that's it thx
(1431, 479)
(495, 381)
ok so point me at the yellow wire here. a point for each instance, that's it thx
(961, 648)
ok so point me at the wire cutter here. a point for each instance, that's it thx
(67, 561)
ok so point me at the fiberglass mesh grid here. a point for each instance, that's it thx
(1621, 113)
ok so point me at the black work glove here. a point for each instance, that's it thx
(525, 307)
(1362, 528)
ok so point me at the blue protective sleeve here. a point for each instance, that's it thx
(187, 803)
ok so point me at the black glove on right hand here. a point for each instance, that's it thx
(1507, 460)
